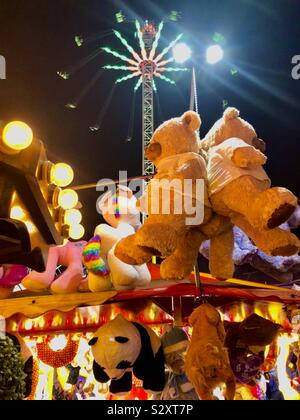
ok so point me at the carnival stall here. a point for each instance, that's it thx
(129, 314)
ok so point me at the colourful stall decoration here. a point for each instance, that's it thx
(63, 360)
(49, 352)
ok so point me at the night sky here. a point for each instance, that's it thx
(37, 40)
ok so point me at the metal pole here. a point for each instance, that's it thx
(199, 292)
(194, 106)
(192, 97)
(148, 123)
(194, 94)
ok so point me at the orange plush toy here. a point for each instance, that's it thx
(179, 212)
(207, 363)
(240, 189)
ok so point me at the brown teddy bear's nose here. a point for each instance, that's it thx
(153, 151)
(259, 144)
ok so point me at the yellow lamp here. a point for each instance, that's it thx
(72, 217)
(76, 232)
(61, 174)
(67, 199)
(16, 136)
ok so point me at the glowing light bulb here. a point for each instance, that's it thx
(58, 343)
(181, 52)
(72, 217)
(214, 54)
(16, 136)
(17, 213)
(61, 174)
(30, 227)
(76, 232)
(67, 199)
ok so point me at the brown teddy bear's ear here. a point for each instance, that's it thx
(153, 151)
(194, 317)
(231, 114)
(212, 315)
(192, 120)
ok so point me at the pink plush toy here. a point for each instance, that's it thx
(11, 276)
(69, 256)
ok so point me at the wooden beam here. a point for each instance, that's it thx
(34, 306)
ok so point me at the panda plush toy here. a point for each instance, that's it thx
(121, 348)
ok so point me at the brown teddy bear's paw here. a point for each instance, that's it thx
(159, 238)
(281, 215)
(285, 251)
(288, 246)
(130, 253)
(222, 274)
(273, 207)
(175, 268)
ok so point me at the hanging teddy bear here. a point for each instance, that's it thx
(207, 363)
(240, 189)
(105, 270)
(180, 217)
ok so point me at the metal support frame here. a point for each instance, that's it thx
(148, 123)
(177, 311)
(194, 94)
(199, 295)
(148, 115)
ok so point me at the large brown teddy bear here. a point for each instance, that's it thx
(240, 189)
(207, 363)
(174, 149)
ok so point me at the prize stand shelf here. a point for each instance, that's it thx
(34, 305)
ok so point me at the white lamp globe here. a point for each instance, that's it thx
(181, 53)
(214, 54)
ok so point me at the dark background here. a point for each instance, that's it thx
(37, 40)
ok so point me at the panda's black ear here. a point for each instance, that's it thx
(93, 341)
(122, 340)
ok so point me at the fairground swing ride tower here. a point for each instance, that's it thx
(146, 66)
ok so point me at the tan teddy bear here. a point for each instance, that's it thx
(176, 202)
(240, 189)
(207, 363)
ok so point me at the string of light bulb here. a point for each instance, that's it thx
(16, 137)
